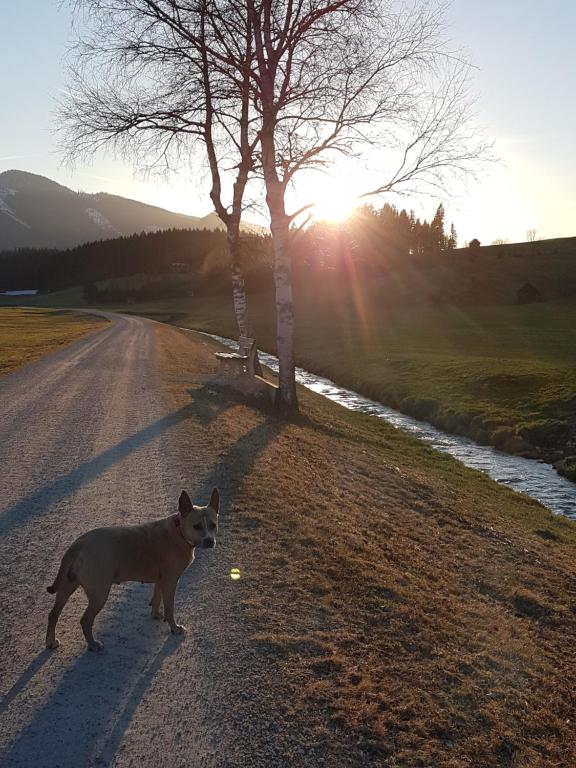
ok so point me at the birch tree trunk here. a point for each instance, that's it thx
(284, 311)
(239, 293)
(238, 286)
(239, 297)
(280, 227)
(233, 240)
(230, 219)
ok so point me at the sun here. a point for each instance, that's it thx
(326, 197)
(332, 200)
(333, 207)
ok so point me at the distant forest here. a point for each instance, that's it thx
(376, 237)
(375, 244)
(370, 236)
(200, 255)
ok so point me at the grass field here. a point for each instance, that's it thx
(416, 613)
(503, 375)
(27, 334)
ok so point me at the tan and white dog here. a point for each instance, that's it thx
(156, 552)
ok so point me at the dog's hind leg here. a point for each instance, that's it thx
(156, 601)
(168, 592)
(97, 597)
(64, 592)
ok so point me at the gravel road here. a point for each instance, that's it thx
(87, 438)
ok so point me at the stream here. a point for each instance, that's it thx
(534, 478)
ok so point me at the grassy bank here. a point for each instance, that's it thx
(502, 375)
(407, 611)
(27, 334)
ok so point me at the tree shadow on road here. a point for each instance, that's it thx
(83, 721)
(40, 501)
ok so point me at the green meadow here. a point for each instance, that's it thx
(504, 375)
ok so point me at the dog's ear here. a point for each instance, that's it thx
(215, 500)
(184, 504)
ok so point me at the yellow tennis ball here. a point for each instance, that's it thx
(235, 573)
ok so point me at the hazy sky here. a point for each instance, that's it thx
(526, 83)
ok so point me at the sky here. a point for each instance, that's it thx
(524, 78)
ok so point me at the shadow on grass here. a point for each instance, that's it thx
(239, 462)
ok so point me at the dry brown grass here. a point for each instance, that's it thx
(27, 334)
(417, 613)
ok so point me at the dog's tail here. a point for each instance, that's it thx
(64, 572)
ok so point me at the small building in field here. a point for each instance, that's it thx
(528, 294)
(179, 267)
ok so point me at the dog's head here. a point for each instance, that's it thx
(199, 524)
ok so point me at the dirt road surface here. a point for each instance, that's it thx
(89, 438)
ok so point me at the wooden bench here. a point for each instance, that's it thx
(241, 362)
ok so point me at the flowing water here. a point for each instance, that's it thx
(534, 478)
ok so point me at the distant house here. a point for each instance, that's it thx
(178, 266)
(528, 294)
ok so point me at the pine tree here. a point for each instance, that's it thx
(438, 239)
(403, 233)
(453, 239)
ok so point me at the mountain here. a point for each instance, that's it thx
(37, 212)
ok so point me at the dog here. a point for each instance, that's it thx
(157, 553)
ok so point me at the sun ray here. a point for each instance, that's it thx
(333, 202)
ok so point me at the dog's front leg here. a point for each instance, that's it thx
(156, 601)
(168, 592)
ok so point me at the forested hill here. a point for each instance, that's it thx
(389, 253)
(36, 212)
(199, 254)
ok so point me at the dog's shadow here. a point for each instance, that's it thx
(83, 720)
(25, 678)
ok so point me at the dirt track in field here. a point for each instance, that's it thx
(90, 437)
(394, 610)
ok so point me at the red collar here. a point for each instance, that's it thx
(177, 523)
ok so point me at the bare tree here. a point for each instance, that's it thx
(350, 77)
(311, 81)
(142, 81)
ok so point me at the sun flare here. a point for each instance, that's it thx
(333, 207)
(333, 203)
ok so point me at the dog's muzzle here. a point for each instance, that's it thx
(208, 543)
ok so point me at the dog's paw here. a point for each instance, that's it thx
(157, 615)
(178, 629)
(96, 646)
(53, 645)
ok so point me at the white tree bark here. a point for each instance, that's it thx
(280, 227)
(284, 312)
(239, 297)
